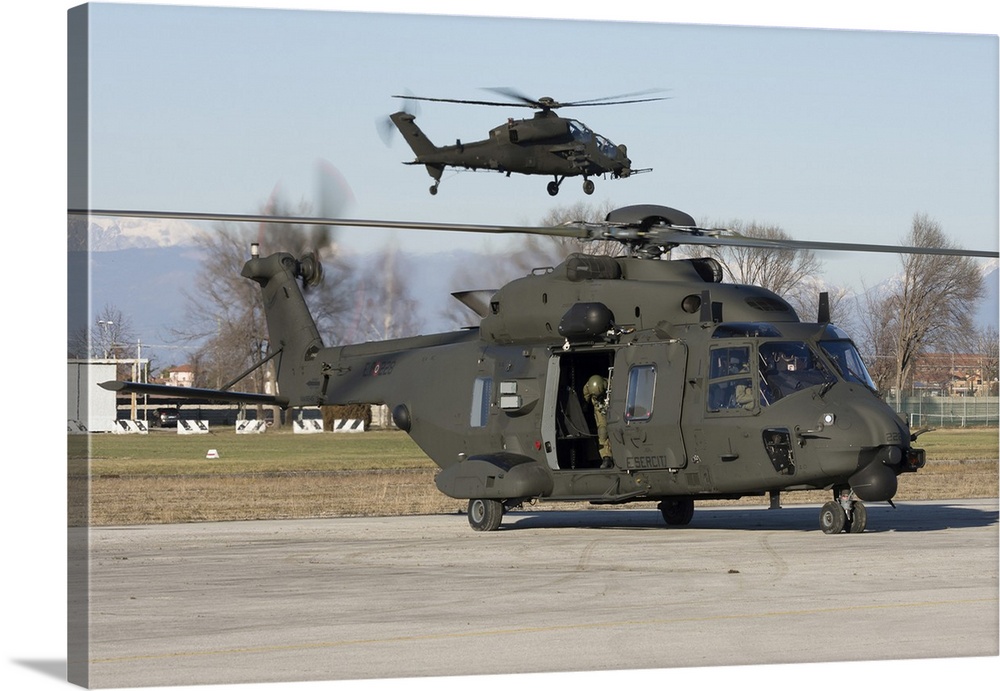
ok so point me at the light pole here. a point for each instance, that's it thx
(104, 329)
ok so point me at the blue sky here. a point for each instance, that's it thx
(830, 134)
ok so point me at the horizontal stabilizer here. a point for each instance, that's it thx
(190, 392)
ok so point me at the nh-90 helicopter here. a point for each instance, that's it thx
(545, 144)
(609, 380)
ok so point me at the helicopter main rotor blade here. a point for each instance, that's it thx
(711, 238)
(519, 100)
(468, 101)
(568, 231)
(628, 234)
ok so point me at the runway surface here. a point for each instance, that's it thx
(551, 591)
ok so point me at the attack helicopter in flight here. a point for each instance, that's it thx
(545, 144)
(609, 380)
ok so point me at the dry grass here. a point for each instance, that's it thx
(165, 478)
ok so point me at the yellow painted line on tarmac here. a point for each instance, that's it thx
(535, 629)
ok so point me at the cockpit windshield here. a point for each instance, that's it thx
(579, 131)
(848, 361)
(787, 367)
(606, 146)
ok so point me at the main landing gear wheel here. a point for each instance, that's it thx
(677, 511)
(832, 518)
(485, 514)
(553, 188)
(588, 186)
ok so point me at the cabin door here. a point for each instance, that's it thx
(646, 400)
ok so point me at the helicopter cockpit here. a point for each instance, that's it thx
(748, 376)
(580, 132)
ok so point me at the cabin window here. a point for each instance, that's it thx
(639, 400)
(481, 390)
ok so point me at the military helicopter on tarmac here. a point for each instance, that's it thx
(545, 144)
(606, 380)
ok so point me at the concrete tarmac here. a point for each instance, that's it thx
(551, 591)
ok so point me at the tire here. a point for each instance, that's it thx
(859, 518)
(588, 186)
(832, 518)
(552, 188)
(485, 514)
(677, 511)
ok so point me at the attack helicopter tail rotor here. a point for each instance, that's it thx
(387, 130)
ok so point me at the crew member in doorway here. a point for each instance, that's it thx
(594, 393)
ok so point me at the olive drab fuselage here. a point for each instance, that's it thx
(545, 144)
(713, 390)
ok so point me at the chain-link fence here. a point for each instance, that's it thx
(949, 411)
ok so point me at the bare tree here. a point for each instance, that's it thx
(225, 313)
(110, 336)
(383, 307)
(987, 347)
(930, 305)
(792, 274)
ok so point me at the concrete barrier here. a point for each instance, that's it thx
(250, 426)
(349, 425)
(307, 426)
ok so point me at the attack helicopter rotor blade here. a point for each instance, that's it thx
(466, 101)
(620, 99)
(518, 96)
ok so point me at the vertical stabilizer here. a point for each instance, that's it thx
(413, 135)
(290, 326)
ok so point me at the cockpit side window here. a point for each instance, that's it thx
(730, 384)
(848, 361)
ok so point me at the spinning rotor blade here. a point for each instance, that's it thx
(673, 236)
(632, 234)
(569, 231)
(519, 100)
(460, 100)
(549, 103)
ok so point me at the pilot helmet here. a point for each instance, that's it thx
(595, 386)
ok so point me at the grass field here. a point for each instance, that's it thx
(166, 478)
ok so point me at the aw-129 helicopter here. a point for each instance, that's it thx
(545, 144)
(703, 390)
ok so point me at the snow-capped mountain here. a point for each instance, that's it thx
(108, 234)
